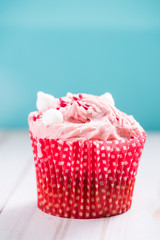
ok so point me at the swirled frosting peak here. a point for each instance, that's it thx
(81, 116)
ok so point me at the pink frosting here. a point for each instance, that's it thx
(86, 117)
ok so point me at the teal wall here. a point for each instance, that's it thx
(80, 46)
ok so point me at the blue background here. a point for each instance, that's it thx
(80, 46)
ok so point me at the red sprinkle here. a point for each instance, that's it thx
(62, 103)
(117, 118)
(79, 104)
(36, 117)
(75, 98)
(80, 96)
(85, 107)
(57, 108)
(132, 137)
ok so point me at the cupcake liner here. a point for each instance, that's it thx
(86, 179)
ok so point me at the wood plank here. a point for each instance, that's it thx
(86, 229)
(14, 214)
(22, 220)
(15, 157)
(4, 135)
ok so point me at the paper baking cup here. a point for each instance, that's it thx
(86, 179)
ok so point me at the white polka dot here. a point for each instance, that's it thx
(117, 149)
(135, 164)
(61, 163)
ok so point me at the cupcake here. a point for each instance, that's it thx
(86, 155)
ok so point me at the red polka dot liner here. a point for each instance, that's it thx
(86, 179)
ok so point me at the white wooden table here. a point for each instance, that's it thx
(21, 219)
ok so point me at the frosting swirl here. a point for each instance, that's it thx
(82, 116)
